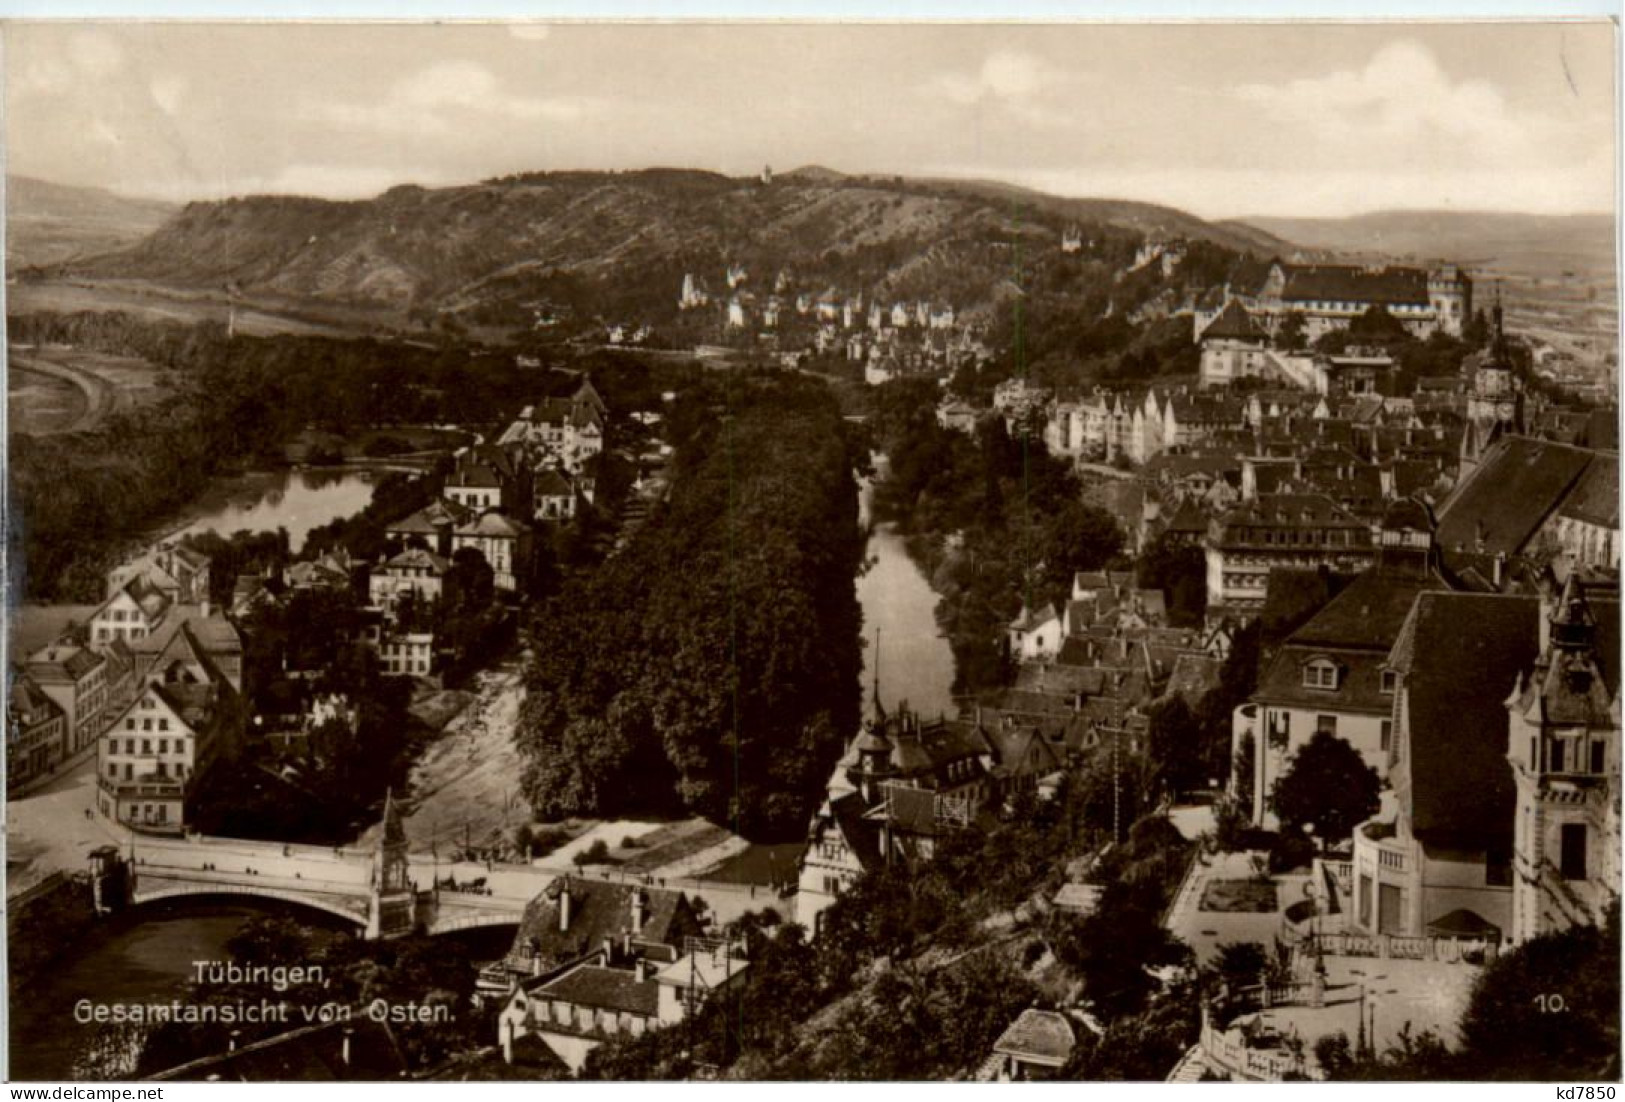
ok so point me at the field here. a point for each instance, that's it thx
(59, 388)
(257, 318)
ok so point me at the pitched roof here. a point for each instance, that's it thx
(310, 1054)
(598, 910)
(27, 697)
(1233, 323)
(617, 989)
(493, 525)
(1460, 655)
(418, 558)
(1510, 494)
(550, 483)
(1349, 283)
(1595, 498)
(1038, 1034)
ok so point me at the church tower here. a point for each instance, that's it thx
(1564, 748)
(393, 909)
(1495, 398)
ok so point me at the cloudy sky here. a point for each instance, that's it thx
(1220, 120)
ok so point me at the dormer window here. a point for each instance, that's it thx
(1390, 681)
(1320, 674)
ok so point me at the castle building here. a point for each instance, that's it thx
(1330, 296)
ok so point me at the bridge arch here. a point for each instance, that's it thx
(473, 922)
(354, 911)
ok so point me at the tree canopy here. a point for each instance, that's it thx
(1329, 786)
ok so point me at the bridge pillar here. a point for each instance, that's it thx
(111, 880)
(392, 907)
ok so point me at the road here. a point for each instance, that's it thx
(99, 395)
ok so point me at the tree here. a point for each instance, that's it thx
(1549, 1009)
(1079, 537)
(1290, 335)
(1328, 786)
(1176, 747)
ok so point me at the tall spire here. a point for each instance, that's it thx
(394, 832)
(880, 711)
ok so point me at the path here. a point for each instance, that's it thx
(98, 392)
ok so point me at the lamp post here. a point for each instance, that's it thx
(1360, 1039)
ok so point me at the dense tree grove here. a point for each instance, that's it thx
(995, 520)
(713, 664)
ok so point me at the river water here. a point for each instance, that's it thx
(298, 500)
(916, 664)
(124, 960)
(150, 957)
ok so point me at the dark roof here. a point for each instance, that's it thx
(550, 483)
(601, 988)
(1041, 1034)
(1509, 495)
(1460, 655)
(598, 910)
(1348, 283)
(861, 835)
(1233, 323)
(312, 1054)
(1595, 498)
(1292, 596)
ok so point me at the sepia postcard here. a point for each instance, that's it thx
(904, 551)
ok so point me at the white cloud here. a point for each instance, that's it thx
(1019, 82)
(423, 102)
(1402, 106)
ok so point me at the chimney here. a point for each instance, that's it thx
(1500, 567)
(642, 970)
(507, 1041)
(640, 910)
(205, 608)
(564, 907)
(609, 951)
(344, 1053)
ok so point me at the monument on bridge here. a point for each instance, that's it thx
(392, 911)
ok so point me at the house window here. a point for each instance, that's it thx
(1597, 749)
(1325, 725)
(1387, 735)
(1390, 681)
(1320, 674)
(1574, 851)
(1557, 755)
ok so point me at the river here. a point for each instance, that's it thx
(263, 501)
(916, 664)
(127, 959)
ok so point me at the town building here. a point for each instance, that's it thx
(1290, 530)
(74, 677)
(1563, 743)
(1332, 675)
(1233, 347)
(415, 571)
(1330, 296)
(178, 572)
(36, 733)
(1440, 863)
(504, 542)
(154, 754)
